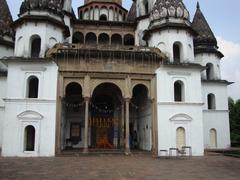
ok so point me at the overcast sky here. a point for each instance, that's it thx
(224, 19)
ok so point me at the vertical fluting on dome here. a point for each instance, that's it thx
(5, 19)
(163, 9)
(54, 6)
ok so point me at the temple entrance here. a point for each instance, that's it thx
(72, 126)
(140, 119)
(105, 121)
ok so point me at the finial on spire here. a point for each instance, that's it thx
(198, 5)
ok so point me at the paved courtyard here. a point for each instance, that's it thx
(120, 167)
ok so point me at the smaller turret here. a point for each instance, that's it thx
(205, 47)
(41, 25)
(205, 41)
(170, 30)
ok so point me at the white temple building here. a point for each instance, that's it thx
(109, 79)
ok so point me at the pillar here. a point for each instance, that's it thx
(127, 136)
(86, 125)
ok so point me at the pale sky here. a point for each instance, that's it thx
(223, 17)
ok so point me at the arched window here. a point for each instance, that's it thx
(116, 39)
(103, 17)
(146, 7)
(91, 38)
(211, 101)
(129, 40)
(78, 38)
(103, 39)
(180, 137)
(178, 91)
(73, 96)
(177, 52)
(81, 15)
(32, 90)
(29, 138)
(209, 71)
(35, 46)
(213, 138)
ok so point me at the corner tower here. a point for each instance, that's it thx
(214, 89)
(40, 26)
(205, 47)
(170, 30)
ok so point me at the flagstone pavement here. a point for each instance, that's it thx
(120, 167)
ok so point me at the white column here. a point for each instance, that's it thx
(86, 125)
(127, 145)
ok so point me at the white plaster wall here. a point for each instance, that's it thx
(27, 30)
(145, 126)
(220, 92)
(19, 72)
(141, 27)
(3, 81)
(166, 77)
(187, 114)
(13, 128)
(165, 39)
(5, 51)
(219, 118)
(2, 110)
(44, 106)
(205, 58)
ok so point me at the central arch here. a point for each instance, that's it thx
(105, 122)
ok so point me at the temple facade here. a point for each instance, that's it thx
(109, 79)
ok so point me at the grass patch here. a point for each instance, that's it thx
(232, 153)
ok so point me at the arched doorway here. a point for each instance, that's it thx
(213, 138)
(180, 137)
(72, 117)
(29, 140)
(105, 122)
(140, 119)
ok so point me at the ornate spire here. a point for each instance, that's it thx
(205, 34)
(5, 20)
(205, 41)
(132, 14)
(198, 6)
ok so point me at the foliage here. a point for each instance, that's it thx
(234, 114)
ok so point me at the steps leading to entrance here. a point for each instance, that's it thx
(79, 152)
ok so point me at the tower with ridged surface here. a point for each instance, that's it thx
(40, 26)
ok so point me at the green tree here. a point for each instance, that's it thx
(234, 115)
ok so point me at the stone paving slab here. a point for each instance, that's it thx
(120, 167)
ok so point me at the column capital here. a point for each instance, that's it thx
(128, 99)
(152, 100)
(86, 98)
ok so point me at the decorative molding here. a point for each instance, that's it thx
(182, 103)
(181, 117)
(174, 73)
(42, 69)
(32, 115)
(30, 101)
(213, 111)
